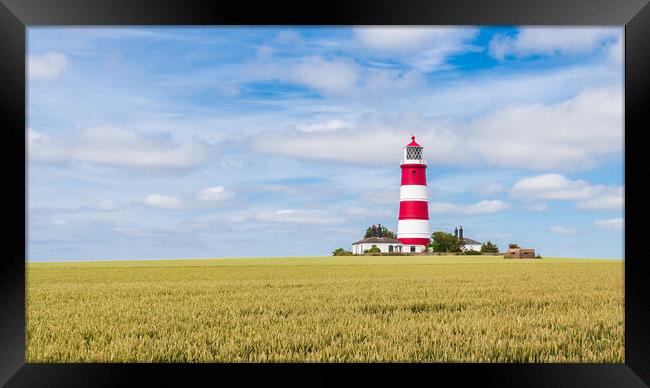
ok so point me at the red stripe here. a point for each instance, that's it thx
(414, 174)
(413, 210)
(414, 241)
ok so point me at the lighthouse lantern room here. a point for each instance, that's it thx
(413, 222)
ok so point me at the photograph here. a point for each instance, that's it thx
(325, 194)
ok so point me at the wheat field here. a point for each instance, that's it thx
(327, 309)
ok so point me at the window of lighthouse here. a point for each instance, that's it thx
(414, 153)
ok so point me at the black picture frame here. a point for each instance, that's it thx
(17, 15)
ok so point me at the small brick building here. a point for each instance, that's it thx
(520, 253)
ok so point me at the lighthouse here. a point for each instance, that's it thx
(413, 222)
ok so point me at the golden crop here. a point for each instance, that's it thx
(331, 309)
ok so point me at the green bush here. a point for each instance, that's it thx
(472, 252)
(374, 249)
(341, 252)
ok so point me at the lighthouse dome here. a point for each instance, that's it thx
(413, 153)
(413, 143)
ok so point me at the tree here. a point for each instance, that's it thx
(513, 245)
(489, 247)
(444, 242)
(341, 252)
(385, 232)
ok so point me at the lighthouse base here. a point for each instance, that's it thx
(413, 248)
(413, 244)
(414, 241)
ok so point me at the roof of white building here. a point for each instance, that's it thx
(378, 240)
(469, 241)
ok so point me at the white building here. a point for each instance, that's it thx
(385, 245)
(470, 245)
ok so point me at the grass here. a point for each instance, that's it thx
(331, 309)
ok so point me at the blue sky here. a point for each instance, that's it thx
(283, 141)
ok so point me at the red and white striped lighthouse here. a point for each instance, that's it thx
(413, 224)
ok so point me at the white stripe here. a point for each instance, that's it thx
(413, 227)
(413, 235)
(413, 193)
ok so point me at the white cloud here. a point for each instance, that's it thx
(330, 125)
(423, 48)
(559, 229)
(216, 193)
(614, 223)
(552, 186)
(551, 41)
(367, 145)
(46, 66)
(558, 187)
(299, 217)
(330, 76)
(610, 199)
(116, 147)
(574, 134)
(399, 39)
(482, 207)
(163, 201)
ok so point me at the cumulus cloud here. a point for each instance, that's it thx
(299, 217)
(552, 41)
(613, 223)
(199, 199)
(572, 134)
(552, 186)
(424, 48)
(163, 201)
(482, 207)
(360, 146)
(116, 147)
(46, 66)
(558, 187)
(610, 199)
(559, 229)
(216, 193)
